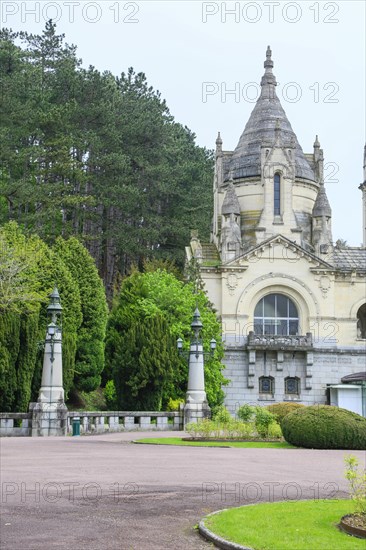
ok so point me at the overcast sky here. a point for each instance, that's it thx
(196, 52)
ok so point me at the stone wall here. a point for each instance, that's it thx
(20, 424)
(329, 366)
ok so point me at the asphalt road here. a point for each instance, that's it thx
(103, 492)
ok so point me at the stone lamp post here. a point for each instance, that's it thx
(50, 411)
(196, 406)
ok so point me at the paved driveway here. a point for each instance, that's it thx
(102, 492)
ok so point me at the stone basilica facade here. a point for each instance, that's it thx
(292, 303)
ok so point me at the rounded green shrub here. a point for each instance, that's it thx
(283, 409)
(324, 427)
(245, 412)
(222, 415)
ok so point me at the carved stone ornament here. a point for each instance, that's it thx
(232, 282)
(324, 285)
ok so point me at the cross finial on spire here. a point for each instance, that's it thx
(268, 62)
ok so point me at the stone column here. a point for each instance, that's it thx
(196, 406)
(49, 414)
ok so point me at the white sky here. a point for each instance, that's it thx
(183, 45)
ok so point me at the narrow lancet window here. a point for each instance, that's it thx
(277, 195)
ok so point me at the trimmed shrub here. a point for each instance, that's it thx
(245, 412)
(324, 427)
(283, 409)
(222, 415)
(263, 419)
(274, 430)
(212, 429)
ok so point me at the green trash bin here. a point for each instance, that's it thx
(76, 425)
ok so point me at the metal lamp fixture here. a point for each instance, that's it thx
(196, 326)
(54, 310)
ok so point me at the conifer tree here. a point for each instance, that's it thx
(89, 359)
(146, 296)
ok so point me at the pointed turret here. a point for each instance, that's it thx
(231, 204)
(322, 214)
(260, 130)
(231, 243)
(322, 206)
(318, 160)
(218, 143)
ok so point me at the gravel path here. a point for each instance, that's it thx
(102, 492)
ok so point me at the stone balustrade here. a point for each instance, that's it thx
(119, 421)
(275, 342)
(15, 424)
(20, 424)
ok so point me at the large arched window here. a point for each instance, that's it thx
(277, 195)
(276, 314)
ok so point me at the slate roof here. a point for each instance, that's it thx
(350, 259)
(260, 130)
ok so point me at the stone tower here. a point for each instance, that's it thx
(275, 183)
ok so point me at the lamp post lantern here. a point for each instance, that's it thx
(50, 412)
(196, 405)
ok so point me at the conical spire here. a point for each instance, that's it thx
(316, 142)
(260, 130)
(322, 207)
(231, 204)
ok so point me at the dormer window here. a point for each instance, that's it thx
(277, 195)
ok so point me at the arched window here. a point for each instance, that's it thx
(276, 314)
(361, 322)
(292, 385)
(277, 195)
(266, 385)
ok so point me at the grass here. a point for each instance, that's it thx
(297, 525)
(240, 444)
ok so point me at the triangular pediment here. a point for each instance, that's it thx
(291, 251)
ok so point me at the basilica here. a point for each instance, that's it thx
(291, 301)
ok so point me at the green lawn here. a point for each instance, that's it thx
(297, 525)
(240, 444)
